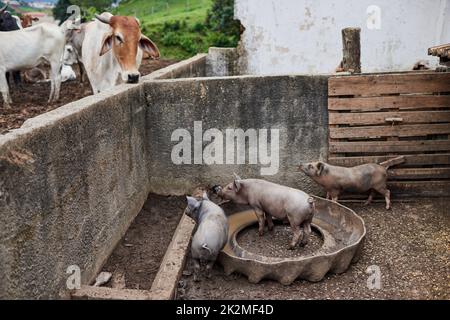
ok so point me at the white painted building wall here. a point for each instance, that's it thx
(304, 36)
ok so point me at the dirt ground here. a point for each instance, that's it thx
(30, 100)
(275, 243)
(410, 245)
(136, 259)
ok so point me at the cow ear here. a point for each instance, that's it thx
(205, 196)
(107, 44)
(319, 168)
(148, 46)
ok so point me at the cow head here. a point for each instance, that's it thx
(7, 21)
(27, 20)
(124, 40)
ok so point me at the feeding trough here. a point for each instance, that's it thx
(341, 232)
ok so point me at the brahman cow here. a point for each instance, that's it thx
(112, 51)
(27, 48)
(27, 19)
(74, 41)
(9, 22)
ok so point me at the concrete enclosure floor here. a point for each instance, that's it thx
(409, 244)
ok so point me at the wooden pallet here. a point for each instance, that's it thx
(375, 117)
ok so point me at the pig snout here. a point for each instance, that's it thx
(216, 189)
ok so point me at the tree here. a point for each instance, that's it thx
(87, 8)
(221, 18)
(60, 10)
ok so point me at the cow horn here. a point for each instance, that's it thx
(103, 19)
(4, 8)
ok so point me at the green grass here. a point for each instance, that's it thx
(176, 26)
(160, 11)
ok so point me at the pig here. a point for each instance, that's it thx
(273, 200)
(211, 234)
(366, 177)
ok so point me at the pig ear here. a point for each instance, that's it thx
(148, 46)
(192, 202)
(205, 195)
(319, 168)
(237, 185)
(107, 44)
(236, 177)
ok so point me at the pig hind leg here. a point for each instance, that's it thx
(208, 268)
(387, 195)
(297, 233)
(269, 221)
(369, 199)
(334, 195)
(196, 264)
(306, 232)
(261, 221)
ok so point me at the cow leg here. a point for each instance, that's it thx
(82, 74)
(4, 90)
(17, 80)
(55, 80)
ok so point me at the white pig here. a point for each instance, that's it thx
(270, 199)
(211, 234)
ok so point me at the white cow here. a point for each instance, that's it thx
(112, 51)
(27, 48)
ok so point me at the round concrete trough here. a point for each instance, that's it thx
(342, 232)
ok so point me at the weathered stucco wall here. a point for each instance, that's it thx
(304, 36)
(296, 105)
(73, 179)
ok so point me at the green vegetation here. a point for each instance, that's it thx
(88, 8)
(182, 28)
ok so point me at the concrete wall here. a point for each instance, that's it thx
(73, 179)
(304, 36)
(71, 182)
(296, 105)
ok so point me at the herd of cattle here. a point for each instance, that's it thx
(108, 50)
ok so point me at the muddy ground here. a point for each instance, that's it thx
(30, 100)
(410, 245)
(136, 259)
